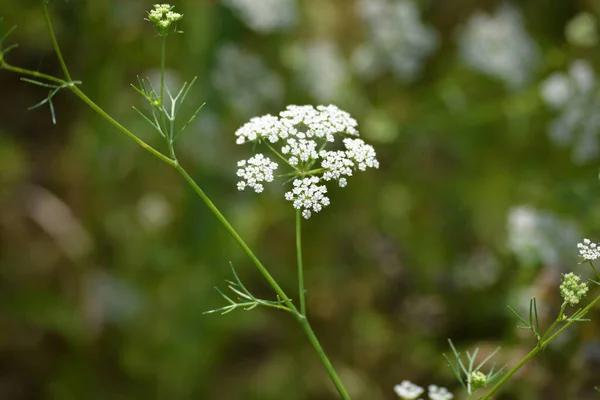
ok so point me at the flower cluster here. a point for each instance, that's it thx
(571, 290)
(254, 171)
(478, 379)
(302, 134)
(588, 250)
(163, 18)
(409, 391)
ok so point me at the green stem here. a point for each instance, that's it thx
(558, 320)
(163, 51)
(301, 292)
(236, 237)
(535, 351)
(36, 74)
(120, 127)
(61, 60)
(321, 353)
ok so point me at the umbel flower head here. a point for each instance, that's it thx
(588, 250)
(164, 19)
(571, 290)
(317, 145)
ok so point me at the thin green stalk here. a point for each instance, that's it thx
(236, 237)
(558, 320)
(120, 127)
(301, 292)
(61, 60)
(161, 98)
(321, 353)
(533, 352)
(163, 51)
(36, 74)
(285, 160)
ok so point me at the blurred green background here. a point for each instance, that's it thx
(484, 115)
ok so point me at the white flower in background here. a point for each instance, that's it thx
(537, 236)
(408, 390)
(397, 40)
(245, 81)
(439, 393)
(498, 45)
(320, 68)
(574, 95)
(265, 16)
(588, 250)
(302, 135)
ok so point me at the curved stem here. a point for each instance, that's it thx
(535, 351)
(236, 237)
(301, 292)
(61, 60)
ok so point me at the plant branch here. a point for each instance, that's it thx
(536, 350)
(301, 291)
(61, 60)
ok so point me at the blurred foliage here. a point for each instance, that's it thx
(108, 260)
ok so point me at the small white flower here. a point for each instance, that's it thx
(300, 150)
(361, 153)
(439, 393)
(408, 390)
(308, 196)
(337, 164)
(588, 250)
(254, 171)
(265, 127)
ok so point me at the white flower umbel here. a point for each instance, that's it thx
(439, 393)
(588, 250)
(300, 136)
(256, 170)
(408, 390)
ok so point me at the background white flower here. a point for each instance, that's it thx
(398, 40)
(266, 16)
(498, 45)
(574, 95)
